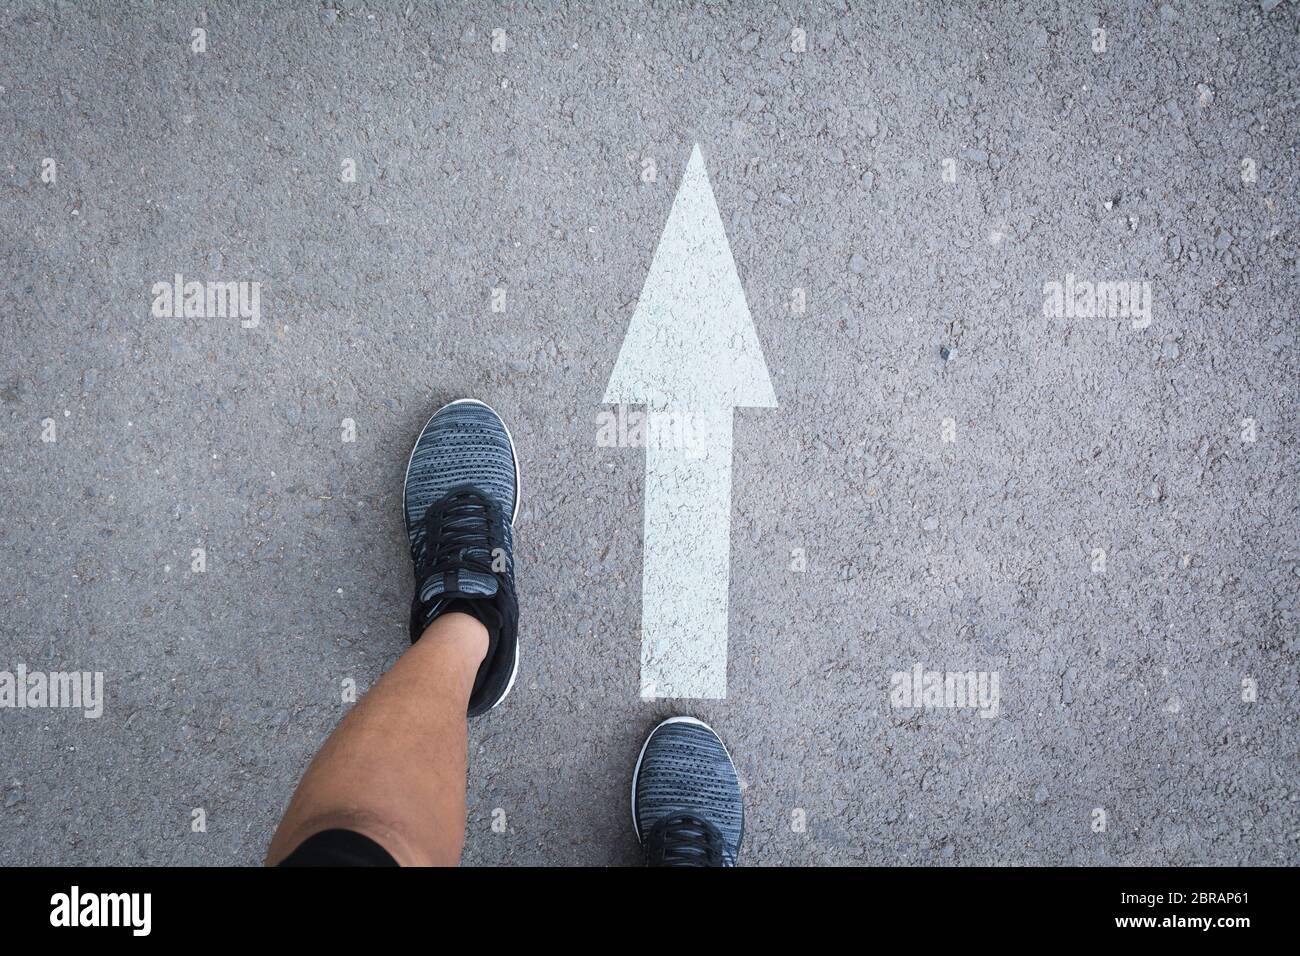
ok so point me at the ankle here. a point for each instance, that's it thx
(459, 634)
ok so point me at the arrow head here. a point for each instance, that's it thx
(692, 342)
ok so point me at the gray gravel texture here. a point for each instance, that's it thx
(522, 169)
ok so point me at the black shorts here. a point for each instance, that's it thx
(339, 848)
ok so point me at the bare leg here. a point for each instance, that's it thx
(394, 768)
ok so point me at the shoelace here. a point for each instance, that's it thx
(683, 839)
(461, 529)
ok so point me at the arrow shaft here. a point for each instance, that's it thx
(687, 563)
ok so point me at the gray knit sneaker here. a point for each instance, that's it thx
(460, 500)
(686, 801)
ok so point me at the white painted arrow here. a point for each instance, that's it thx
(690, 355)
